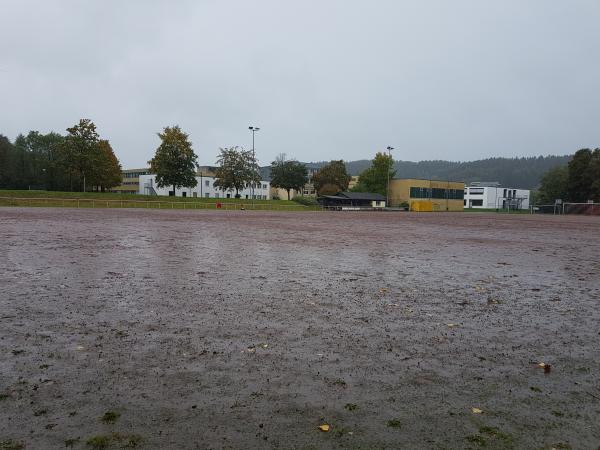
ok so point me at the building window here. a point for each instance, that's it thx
(476, 202)
(207, 195)
(264, 186)
(207, 183)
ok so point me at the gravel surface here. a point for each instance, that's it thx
(206, 329)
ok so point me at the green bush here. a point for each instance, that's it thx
(306, 201)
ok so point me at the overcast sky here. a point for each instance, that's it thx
(324, 79)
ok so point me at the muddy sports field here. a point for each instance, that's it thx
(205, 329)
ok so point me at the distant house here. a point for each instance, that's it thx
(353, 201)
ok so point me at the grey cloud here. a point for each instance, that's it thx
(323, 79)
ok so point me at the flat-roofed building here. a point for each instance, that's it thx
(493, 196)
(427, 195)
(131, 181)
(204, 188)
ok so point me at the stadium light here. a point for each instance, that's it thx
(387, 200)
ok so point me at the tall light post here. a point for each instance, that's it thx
(254, 130)
(387, 191)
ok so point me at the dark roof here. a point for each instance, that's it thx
(371, 196)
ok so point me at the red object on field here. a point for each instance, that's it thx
(219, 205)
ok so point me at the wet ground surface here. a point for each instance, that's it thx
(249, 330)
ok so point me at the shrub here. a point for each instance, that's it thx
(306, 201)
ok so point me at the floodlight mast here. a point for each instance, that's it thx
(254, 130)
(387, 191)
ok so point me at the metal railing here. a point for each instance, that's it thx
(592, 209)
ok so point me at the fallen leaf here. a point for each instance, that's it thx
(476, 410)
(79, 347)
(542, 365)
(264, 345)
(383, 290)
(324, 428)
(452, 325)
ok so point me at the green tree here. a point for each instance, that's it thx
(594, 169)
(7, 157)
(375, 178)
(553, 185)
(107, 172)
(584, 173)
(174, 162)
(40, 151)
(288, 174)
(79, 153)
(237, 169)
(331, 177)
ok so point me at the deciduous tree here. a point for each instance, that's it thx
(553, 185)
(584, 175)
(174, 162)
(288, 174)
(333, 176)
(237, 169)
(375, 178)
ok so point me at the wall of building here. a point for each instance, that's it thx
(427, 195)
(205, 189)
(131, 181)
(496, 197)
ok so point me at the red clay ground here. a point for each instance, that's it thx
(248, 330)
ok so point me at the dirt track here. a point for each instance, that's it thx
(248, 330)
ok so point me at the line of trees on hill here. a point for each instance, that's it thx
(78, 161)
(525, 173)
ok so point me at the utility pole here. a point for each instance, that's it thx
(387, 191)
(254, 130)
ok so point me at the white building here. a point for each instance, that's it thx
(492, 195)
(205, 189)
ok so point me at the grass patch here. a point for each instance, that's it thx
(495, 432)
(100, 442)
(351, 406)
(535, 389)
(4, 397)
(40, 412)
(394, 423)
(104, 441)
(476, 439)
(339, 382)
(110, 417)
(112, 200)
(70, 443)
(11, 445)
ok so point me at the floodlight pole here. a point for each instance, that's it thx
(254, 130)
(387, 191)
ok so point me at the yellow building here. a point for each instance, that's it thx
(427, 195)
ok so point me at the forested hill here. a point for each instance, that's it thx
(514, 172)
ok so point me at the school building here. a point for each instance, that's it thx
(427, 195)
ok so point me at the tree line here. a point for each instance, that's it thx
(578, 181)
(77, 161)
